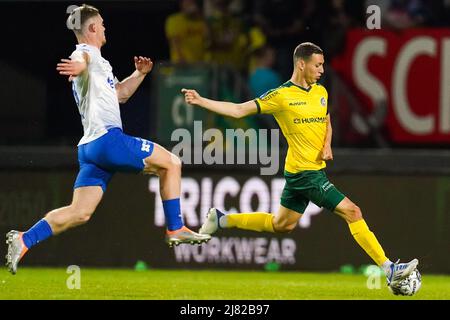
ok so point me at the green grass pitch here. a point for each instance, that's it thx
(44, 283)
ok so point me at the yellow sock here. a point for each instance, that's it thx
(367, 240)
(256, 221)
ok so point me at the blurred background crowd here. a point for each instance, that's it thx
(257, 37)
(246, 44)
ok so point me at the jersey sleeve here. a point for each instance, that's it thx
(78, 55)
(326, 100)
(270, 102)
(81, 54)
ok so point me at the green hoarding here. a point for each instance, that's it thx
(173, 112)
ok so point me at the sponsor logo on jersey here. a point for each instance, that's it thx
(323, 102)
(310, 120)
(111, 82)
(297, 103)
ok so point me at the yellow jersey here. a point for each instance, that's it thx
(302, 116)
(191, 34)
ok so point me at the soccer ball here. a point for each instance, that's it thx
(408, 286)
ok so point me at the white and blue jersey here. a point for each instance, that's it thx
(104, 149)
(95, 94)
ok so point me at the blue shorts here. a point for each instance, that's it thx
(112, 152)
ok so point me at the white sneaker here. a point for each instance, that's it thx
(185, 235)
(16, 250)
(211, 225)
(399, 271)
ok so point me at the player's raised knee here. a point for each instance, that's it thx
(175, 162)
(353, 213)
(283, 226)
(84, 218)
(83, 215)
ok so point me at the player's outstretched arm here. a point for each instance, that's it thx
(229, 109)
(127, 87)
(73, 67)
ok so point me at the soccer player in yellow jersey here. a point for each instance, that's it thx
(301, 109)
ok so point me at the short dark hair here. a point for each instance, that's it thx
(305, 50)
(85, 12)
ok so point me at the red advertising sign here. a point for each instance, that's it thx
(409, 72)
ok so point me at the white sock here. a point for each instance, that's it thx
(223, 221)
(387, 266)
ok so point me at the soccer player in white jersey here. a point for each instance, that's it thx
(104, 149)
